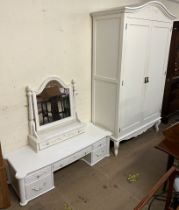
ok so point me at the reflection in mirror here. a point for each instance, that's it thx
(53, 103)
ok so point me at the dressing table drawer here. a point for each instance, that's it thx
(98, 154)
(39, 187)
(79, 154)
(100, 143)
(40, 174)
(84, 152)
(60, 164)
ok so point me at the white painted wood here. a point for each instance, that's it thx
(40, 174)
(116, 147)
(105, 96)
(156, 71)
(100, 150)
(42, 136)
(39, 187)
(107, 47)
(39, 90)
(34, 175)
(123, 101)
(105, 85)
(134, 65)
(152, 10)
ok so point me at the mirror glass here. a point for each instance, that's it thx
(53, 103)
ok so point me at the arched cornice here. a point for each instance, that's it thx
(137, 8)
(156, 4)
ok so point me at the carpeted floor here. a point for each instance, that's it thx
(105, 185)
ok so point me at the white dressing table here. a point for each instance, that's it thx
(31, 173)
(53, 143)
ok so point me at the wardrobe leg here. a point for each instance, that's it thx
(156, 126)
(116, 147)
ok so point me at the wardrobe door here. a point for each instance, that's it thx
(135, 55)
(155, 76)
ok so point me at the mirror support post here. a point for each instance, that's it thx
(30, 108)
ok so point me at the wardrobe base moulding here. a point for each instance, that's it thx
(134, 133)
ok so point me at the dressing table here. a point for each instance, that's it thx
(56, 139)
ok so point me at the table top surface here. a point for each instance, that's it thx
(172, 132)
(25, 160)
(172, 148)
(170, 144)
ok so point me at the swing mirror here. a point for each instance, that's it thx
(52, 104)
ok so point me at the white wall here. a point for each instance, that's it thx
(172, 6)
(39, 38)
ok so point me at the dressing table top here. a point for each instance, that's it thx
(26, 160)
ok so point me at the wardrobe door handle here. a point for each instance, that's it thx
(146, 80)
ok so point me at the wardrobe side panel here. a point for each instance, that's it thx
(105, 102)
(105, 74)
(159, 49)
(106, 38)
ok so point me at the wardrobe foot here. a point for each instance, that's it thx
(156, 126)
(116, 147)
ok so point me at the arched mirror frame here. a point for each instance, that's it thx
(33, 107)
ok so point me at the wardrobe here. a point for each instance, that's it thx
(129, 61)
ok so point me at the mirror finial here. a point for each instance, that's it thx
(74, 87)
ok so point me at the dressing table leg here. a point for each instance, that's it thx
(23, 200)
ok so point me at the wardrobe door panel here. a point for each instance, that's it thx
(159, 47)
(135, 60)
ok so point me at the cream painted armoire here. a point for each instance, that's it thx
(129, 62)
